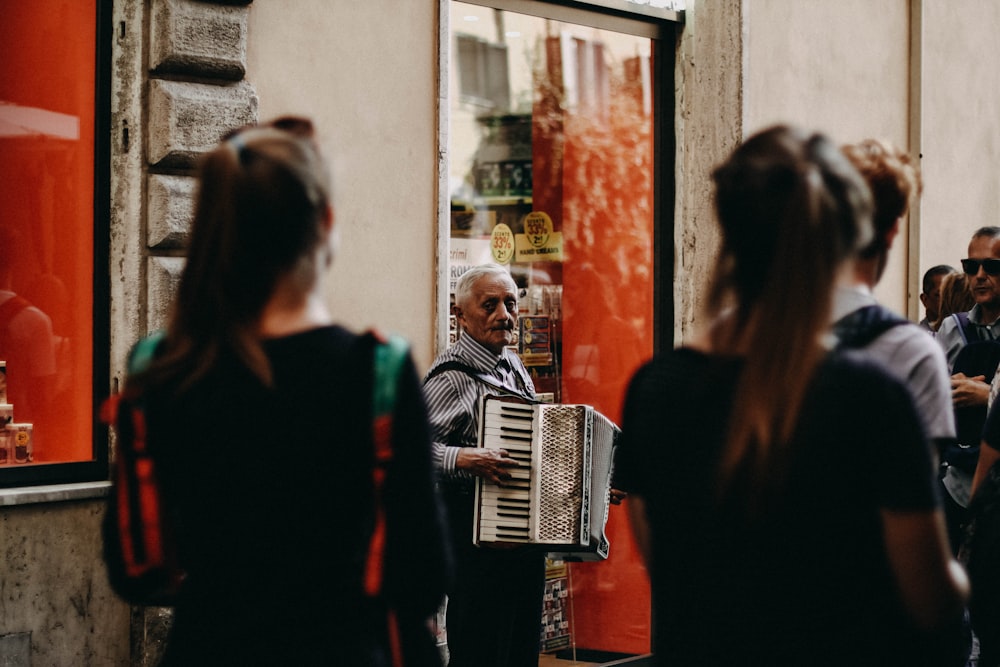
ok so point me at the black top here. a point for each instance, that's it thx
(272, 489)
(804, 579)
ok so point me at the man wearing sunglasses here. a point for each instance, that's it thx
(983, 268)
(973, 352)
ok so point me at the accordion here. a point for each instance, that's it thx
(558, 496)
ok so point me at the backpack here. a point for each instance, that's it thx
(404, 636)
(859, 328)
(139, 548)
(977, 357)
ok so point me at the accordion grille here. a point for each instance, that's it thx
(561, 480)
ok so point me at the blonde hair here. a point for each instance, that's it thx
(956, 297)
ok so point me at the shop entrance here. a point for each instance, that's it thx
(555, 151)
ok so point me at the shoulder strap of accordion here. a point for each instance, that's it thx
(478, 376)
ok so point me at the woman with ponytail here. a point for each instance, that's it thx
(260, 423)
(782, 493)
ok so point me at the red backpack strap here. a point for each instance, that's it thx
(390, 354)
(138, 543)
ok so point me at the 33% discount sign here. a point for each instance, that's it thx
(502, 244)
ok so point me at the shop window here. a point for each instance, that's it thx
(561, 184)
(49, 243)
(482, 72)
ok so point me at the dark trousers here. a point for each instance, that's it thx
(495, 604)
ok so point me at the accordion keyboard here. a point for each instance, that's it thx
(510, 427)
(557, 497)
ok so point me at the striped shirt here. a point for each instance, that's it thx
(453, 396)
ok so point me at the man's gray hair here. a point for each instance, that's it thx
(463, 288)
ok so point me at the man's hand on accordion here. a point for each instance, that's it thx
(491, 464)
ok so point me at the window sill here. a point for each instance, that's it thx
(54, 493)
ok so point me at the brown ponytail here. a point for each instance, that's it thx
(792, 209)
(263, 194)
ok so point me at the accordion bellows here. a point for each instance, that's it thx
(559, 494)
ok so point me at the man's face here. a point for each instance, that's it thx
(985, 288)
(932, 299)
(490, 312)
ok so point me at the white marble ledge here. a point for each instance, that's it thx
(53, 493)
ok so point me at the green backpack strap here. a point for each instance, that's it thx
(390, 353)
(143, 352)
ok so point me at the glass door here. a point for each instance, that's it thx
(551, 157)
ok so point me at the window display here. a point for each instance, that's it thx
(47, 222)
(551, 174)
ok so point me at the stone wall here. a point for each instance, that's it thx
(56, 607)
(709, 125)
(166, 112)
(178, 85)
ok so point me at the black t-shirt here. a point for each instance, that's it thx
(804, 578)
(272, 488)
(991, 429)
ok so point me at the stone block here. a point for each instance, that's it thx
(15, 649)
(187, 119)
(163, 275)
(198, 39)
(171, 207)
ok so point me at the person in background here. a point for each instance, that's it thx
(983, 268)
(782, 495)
(259, 413)
(495, 605)
(971, 341)
(955, 297)
(905, 351)
(28, 346)
(930, 297)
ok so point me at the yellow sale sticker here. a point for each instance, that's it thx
(537, 228)
(502, 244)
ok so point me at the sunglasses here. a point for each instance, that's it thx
(990, 266)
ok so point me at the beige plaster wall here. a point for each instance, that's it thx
(961, 126)
(365, 72)
(818, 65)
(841, 67)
